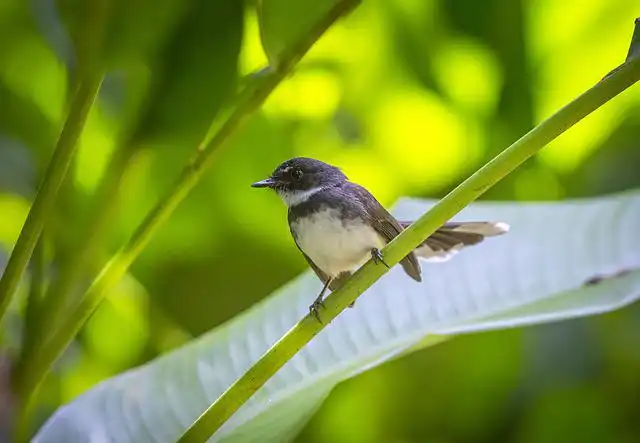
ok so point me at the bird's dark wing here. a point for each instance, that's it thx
(386, 225)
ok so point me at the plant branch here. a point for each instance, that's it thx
(297, 337)
(44, 202)
(74, 271)
(36, 289)
(90, 77)
(190, 176)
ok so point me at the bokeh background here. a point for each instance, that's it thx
(408, 97)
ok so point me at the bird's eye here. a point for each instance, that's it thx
(296, 174)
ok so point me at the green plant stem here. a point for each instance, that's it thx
(43, 204)
(90, 77)
(36, 289)
(297, 337)
(33, 311)
(74, 271)
(111, 274)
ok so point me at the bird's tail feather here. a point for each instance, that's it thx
(453, 236)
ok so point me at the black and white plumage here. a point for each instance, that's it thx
(338, 225)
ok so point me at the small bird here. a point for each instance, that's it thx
(338, 225)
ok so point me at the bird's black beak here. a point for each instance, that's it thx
(266, 183)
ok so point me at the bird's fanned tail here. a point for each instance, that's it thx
(453, 236)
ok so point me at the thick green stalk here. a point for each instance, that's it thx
(42, 206)
(190, 176)
(297, 337)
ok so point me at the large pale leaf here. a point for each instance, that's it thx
(535, 273)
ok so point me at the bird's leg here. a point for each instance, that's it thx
(376, 255)
(318, 302)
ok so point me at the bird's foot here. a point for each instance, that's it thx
(314, 308)
(376, 255)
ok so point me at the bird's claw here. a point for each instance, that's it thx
(314, 308)
(376, 255)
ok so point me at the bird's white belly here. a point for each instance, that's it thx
(332, 245)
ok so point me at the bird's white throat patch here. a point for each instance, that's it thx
(293, 198)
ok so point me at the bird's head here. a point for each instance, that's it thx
(296, 179)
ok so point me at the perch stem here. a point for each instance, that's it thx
(297, 337)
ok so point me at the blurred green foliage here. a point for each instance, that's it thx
(407, 96)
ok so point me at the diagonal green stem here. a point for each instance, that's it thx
(297, 337)
(90, 77)
(44, 202)
(36, 289)
(72, 273)
(43, 359)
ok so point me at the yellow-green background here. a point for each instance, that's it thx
(408, 97)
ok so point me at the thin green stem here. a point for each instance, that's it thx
(42, 361)
(298, 336)
(42, 206)
(90, 77)
(74, 271)
(36, 289)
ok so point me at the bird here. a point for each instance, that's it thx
(338, 225)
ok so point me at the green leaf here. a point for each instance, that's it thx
(17, 168)
(536, 273)
(194, 75)
(178, 59)
(142, 27)
(135, 29)
(22, 116)
(634, 47)
(283, 23)
(22, 119)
